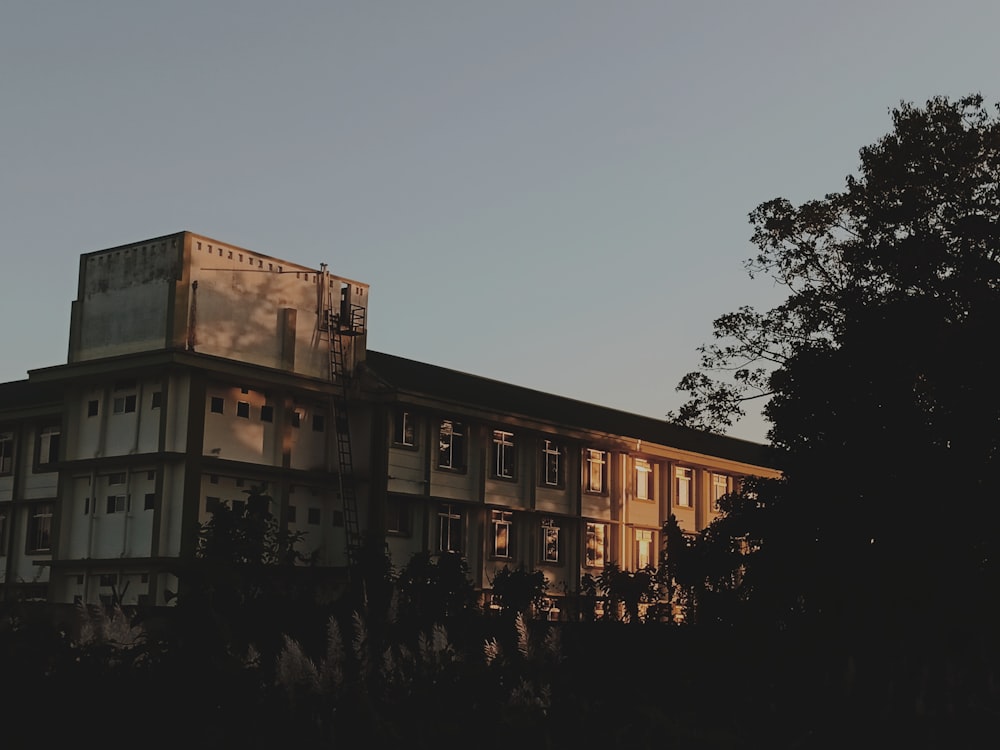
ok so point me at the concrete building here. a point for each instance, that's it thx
(198, 370)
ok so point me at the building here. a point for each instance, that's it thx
(197, 370)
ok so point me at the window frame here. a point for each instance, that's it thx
(552, 475)
(450, 526)
(684, 477)
(7, 440)
(116, 504)
(4, 517)
(595, 541)
(49, 431)
(456, 433)
(716, 495)
(596, 458)
(550, 541)
(644, 479)
(124, 404)
(397, 516)
(644, 539)
(37, 520)
(404, 429)
(502, 522)
(504, 455)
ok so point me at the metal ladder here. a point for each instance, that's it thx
(337, 328)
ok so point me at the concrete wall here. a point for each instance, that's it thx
(185, 291)
(124, 299)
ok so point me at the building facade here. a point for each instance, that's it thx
(198, 370)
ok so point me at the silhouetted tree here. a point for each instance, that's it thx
(244, 588)
(879, 376)
(630, 588)
(517, 590)
(433, 588)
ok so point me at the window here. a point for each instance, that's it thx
(124, 404)
(217, 405)
(212, 504)
(596, 545)
(313, 517)
(149, 501)
(643, 474)
(449, 529)
(683, 480)
(3, 532)
(643, 548)
(291, 514)
(720, 486)
(296, 418)
(116, 503)
(551, 464)
(397, 516)
(40, 528)
(156, 401)
(595, 470)
(108, 579)
(550, 541)
(502, 533)
(243, 409)
(267, 414)
(402, 429)
(118, 478)
(6, 452)
(451, 445)
(48, 444)
(92, 407)
(319, 423)
(503, 454)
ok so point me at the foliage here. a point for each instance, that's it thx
(880, 385)
(247, 535)
(628, 588)
(244, 587)
(918, 224)
(433, 588)
(518, 590)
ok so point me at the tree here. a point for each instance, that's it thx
(244, 587)
(515, 591)
(879, 378)
(435, 588)
(629, 588)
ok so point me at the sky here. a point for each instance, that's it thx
(551, 193)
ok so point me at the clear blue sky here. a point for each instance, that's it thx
(550, 193)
